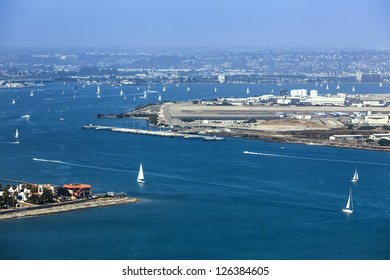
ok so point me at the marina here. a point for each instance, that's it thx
(169, 134)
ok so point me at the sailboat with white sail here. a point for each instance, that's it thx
(164, 89)
(121, 93)
(353, 89)
(188, 89)
(16, 136)
(159, 97)
(215, 89)
(32, 93)
(98, 91)
(338, 87)
(13, 101)
(247, 91)
(380, 84)
(327, 87)
(349, 206)
(355, 177)
(140, 177)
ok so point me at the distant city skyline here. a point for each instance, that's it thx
(195, 23)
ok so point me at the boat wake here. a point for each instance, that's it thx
(316, 159)
(81, 165)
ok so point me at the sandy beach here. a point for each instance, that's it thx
(64, 207)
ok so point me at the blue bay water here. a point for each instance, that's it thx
(201, 200)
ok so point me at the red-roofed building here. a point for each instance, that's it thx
(79, 190)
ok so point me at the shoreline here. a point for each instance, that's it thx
(34, 211)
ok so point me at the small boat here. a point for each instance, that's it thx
(13, 101)
(338, 87)
(272, 90)
(321, 85)
(215, 89)
(353, 89)
(124, 97)
(355, 177)
(159, 97)
(316, 84)
(32, 93)
(98, 90)
(349, 207)
(213, 138)
(247, 91)
(140, 178)
(327, 87)
(121, 93)
(177, 84)
(380, 84)
(188, 89)
(164, 89)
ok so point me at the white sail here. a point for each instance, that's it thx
(164, 89)
(159, 97)
(32, 93)
(13, 101)
(215, 89)
(124, 97)
(353, 89)
(140, 178)
(355, 177)
(247, 91)
(98, 90)
(338, 87)
(349, 206)
(327, 87)
(121, 93)
(188, 89)
(16, 134)
(380, 84)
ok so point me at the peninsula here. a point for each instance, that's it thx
(342, 120)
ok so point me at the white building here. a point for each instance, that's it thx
(298, 92)
(327, 100)
(377, 119)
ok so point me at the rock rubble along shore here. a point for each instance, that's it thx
(65, 207)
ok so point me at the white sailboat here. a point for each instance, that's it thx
(188, 89)
(32, 93)
(16, 136)
(353, 89)
(349, 207)
(355, 177)
(124, 97)
(327, 87)
(121, 93)
(316, 84)
(159, 97)
(177, 85)
(98, 90)
(247, 91)
(140, 178)
(215, 89)
(338, 87)
(380, 84)
(145, 95)
(164, 89)
(13, 101)
(272, 90)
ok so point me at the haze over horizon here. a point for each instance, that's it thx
(195, 23)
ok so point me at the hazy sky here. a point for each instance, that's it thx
(207, 23)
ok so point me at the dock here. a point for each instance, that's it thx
(170, 134)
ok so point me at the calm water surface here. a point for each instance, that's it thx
(201, 200)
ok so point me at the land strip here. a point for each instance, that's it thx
(32, 211)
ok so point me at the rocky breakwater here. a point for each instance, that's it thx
(64, 207)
